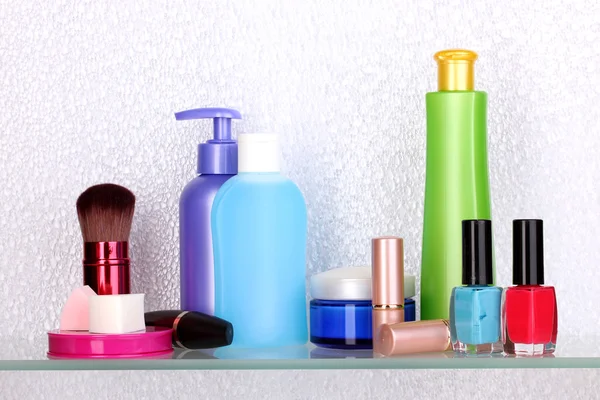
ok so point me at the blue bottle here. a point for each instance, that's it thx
(259, 240)
(217, 162)
(475, 308)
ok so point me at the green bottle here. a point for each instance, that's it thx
(457, 184)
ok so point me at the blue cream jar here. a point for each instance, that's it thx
(340, 309)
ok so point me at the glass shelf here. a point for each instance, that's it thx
(30, 355)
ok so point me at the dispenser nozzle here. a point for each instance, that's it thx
(455, 69)
(222, 128)
(218, 155)
(222, 119)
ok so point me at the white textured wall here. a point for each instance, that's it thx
(88, 94)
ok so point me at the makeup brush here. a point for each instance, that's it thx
(105, 214)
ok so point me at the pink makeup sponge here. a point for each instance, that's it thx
(75, 315)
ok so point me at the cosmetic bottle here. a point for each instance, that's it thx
(456, 184)
(387, 284)
(217, 162)
(192, 330)
(259, 234)
(529, 312)
(475, 307)
(340, 309)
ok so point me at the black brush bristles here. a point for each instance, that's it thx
(105, 213)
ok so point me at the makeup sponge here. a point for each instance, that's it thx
(75, 312)
(117, 313)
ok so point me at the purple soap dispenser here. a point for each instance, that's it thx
(217, 162)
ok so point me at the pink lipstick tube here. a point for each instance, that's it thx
(388, 284)
(415, 337)
(106, 267)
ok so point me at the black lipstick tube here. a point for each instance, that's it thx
(193, 330)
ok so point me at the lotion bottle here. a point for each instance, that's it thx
(217, 162)
(259, 239)
(456, 184)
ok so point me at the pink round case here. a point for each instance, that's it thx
(155, 342)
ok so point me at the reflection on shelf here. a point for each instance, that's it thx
(185, 354)
(273, 353)
(319, 352)
(23, 354)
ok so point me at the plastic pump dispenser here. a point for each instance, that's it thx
(259, 233)
(217, 162)
(219, 155)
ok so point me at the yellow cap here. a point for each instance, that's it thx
(455, 69)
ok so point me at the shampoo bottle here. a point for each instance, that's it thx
(456, 183)
(259, 239)
(217, 162)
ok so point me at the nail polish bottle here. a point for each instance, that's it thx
(475, 307)
(529, 312)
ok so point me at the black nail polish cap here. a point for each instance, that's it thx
(477, 252)
(528, 252)
(193, 330)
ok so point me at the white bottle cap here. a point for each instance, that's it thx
(117, 313)
(350, 283)
(258, 152)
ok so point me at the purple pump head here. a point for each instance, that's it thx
(217, 156)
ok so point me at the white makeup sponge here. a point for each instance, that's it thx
(117, 313)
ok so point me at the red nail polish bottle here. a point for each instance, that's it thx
(529, 314)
